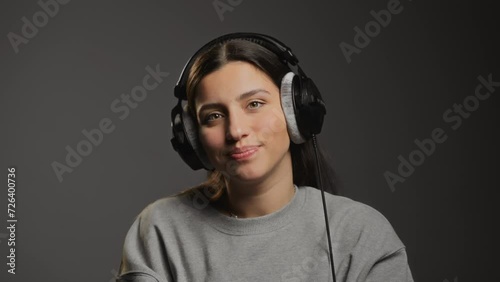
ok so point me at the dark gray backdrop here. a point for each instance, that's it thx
(396, 89)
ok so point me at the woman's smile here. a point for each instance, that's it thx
(244, 154)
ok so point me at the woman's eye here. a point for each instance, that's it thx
(212, 117)
(255, 104)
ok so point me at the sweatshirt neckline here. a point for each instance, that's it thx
(261, 224)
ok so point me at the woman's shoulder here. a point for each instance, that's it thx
(339, 204)
(356, 220)
(173, 208)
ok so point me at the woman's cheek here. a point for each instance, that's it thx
(272, 125)
(211, 141)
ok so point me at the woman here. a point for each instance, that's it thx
(249, 119)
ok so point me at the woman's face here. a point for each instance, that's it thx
(242, 125)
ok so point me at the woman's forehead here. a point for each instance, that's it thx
(231, 81)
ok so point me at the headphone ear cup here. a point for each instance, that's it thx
(191, 132)
(179, 140)
(311, 108)
(287, 90)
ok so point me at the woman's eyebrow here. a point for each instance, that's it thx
(241, 97)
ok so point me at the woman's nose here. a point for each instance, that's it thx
(237, 126)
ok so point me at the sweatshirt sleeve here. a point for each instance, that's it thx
(143, 257)
(393, 267)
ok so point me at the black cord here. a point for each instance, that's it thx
(318, 177)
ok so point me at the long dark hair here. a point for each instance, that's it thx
(303, 159)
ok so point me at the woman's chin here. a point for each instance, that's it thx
(244, 173)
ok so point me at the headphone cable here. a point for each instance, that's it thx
(318, 180)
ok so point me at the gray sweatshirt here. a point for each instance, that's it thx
(185, 239)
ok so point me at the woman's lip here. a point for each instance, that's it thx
(244, 155)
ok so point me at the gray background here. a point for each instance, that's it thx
(394, 91)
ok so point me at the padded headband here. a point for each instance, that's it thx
(277, 47)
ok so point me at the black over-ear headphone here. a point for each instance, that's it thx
(301, 101)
